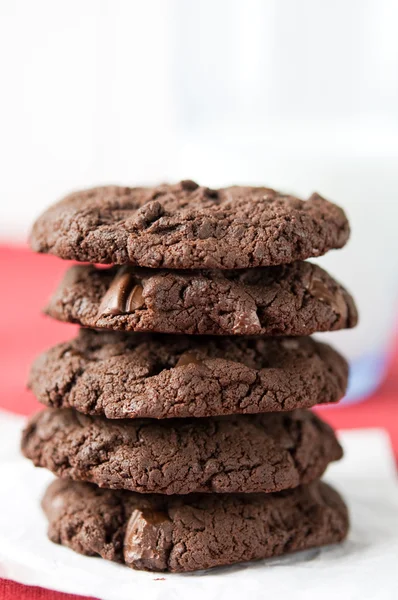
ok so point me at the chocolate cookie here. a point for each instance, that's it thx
(245, 453)
(296, 299)
(122, 375)
(185, 226)
(189, 533)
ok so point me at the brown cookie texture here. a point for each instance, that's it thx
(194, 532)
(245, 453)
(185, 226)
(296, 299)
(129, 376)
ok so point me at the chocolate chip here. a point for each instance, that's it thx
(114, 301)
(247, 323)
(189, 185)
(147, 542)
(154, 517)
(135, 299)
(122, 296)
(320, 291)
(188, 358)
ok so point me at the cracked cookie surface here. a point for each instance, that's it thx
(296, 299)
(185, 226)
(244, 453)
(124, 375)
(188, 533)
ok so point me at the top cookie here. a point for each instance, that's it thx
(185, 226)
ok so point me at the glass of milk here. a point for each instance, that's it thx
(303, 97)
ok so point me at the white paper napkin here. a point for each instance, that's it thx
(364, 567)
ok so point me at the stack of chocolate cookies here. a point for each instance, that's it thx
(177, 421)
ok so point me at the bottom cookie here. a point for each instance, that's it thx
(189, 533)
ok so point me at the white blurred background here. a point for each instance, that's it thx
(300, 95)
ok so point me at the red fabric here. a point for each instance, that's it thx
(9, 590)
(27, 280)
